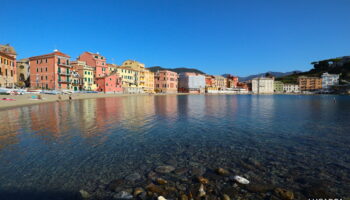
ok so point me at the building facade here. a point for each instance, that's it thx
(86, 75)
(8, 66)
(50, 71)
(149, 82)
(165, 81)
(232, 81)
(210, 84)
(23, 72)
(145, 78)
(191, 83)
(111, 83)
(291, 88)
(309, 83)
(96, 61)
(263, 85)
(220, 82)
(129, 78)
(278, 86)
(329, 80)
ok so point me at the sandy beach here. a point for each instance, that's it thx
(26, 99)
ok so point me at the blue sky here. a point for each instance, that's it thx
(238, 37)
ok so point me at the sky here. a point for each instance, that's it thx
(216, 36)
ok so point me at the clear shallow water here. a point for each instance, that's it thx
(301, 143)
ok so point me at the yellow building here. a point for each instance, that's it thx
(130, 81)
(112, 67)
(145, 78)
(86, 75)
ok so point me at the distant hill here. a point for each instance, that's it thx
(339, 65)
(275, 74)
(177, 70)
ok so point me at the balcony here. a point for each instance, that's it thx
(63, 74)
(63, 81)
(64, 65)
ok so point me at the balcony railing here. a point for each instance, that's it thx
(64, 65)
(64, 74)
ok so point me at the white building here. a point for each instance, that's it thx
(329, 80)
(291, 88)
(263, 85)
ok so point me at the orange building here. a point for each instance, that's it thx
(8, 68)
(309, 83)
(165, 81)
(232, 81)
(50, 71)
(111, 83)
(97, 61)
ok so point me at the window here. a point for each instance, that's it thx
(37, 69)
(37, 61)
(11, 73)
(46, 69)
(46, 60)
(59, 61)
(46, 77)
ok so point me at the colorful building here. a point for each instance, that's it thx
(191, 83)
(8, 66)
(111, 83)
(220, 82)
(23, 72)
(50, 71)
(129, 79)
(112, 67)
(86, 75)
(263, 85)
(309, 83)
(329, 80)
(96, 61)
(232, 81)
(74, 81)
(165, 81)
(291, 88)
(210, 84)
(278, 86)
(149, 81)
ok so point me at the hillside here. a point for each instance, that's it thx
(177, 70)
(333, 66)
(275, 74)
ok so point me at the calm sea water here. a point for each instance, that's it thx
(296, 142)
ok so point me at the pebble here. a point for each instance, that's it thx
(164, 169)
(225, 197)
(138, 191)
(222, 171)
(155, 189)
(184, 197)
(115, 184)
(201, 192)
(284, 194)
(161, 198)
(123, 195)
(133, 177)
(203, 180)
(84, 194)
(241, 180)
(161, 181)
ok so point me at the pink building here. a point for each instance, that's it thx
(97, 61)
(109, 84)
(50, 71)
(232, 81)
(165, 81)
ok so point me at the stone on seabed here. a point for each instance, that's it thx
(161, 198)
(201, 192)
(138, 191)
(241, 180)
(284, 194)
(123, 195)
(164, 169)
(222, 171)
(161, 181)
(225, 197)
(84, 194)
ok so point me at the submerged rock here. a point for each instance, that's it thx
(156, 189)
(84, 194)
(241, 180)
(123, 195)
(133, 177)
(284, 194)
(164, 169)
(161, 181)
(201, 191)
(222, 171)
(138, 191)
(115, 184)
(184, 197)
(225, 197)
(259, 188)
(202, 180)
(161, 198)
(181, 171)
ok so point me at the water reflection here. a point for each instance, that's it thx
(65, 145)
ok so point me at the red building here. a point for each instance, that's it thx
(50, 71)
(109, 84)
(165, 81)
(232, 81)
(97, 61)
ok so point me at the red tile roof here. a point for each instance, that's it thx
(56, 53)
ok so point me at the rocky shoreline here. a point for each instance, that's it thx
(168, 182)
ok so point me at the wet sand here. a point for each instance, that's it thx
(26, 99)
